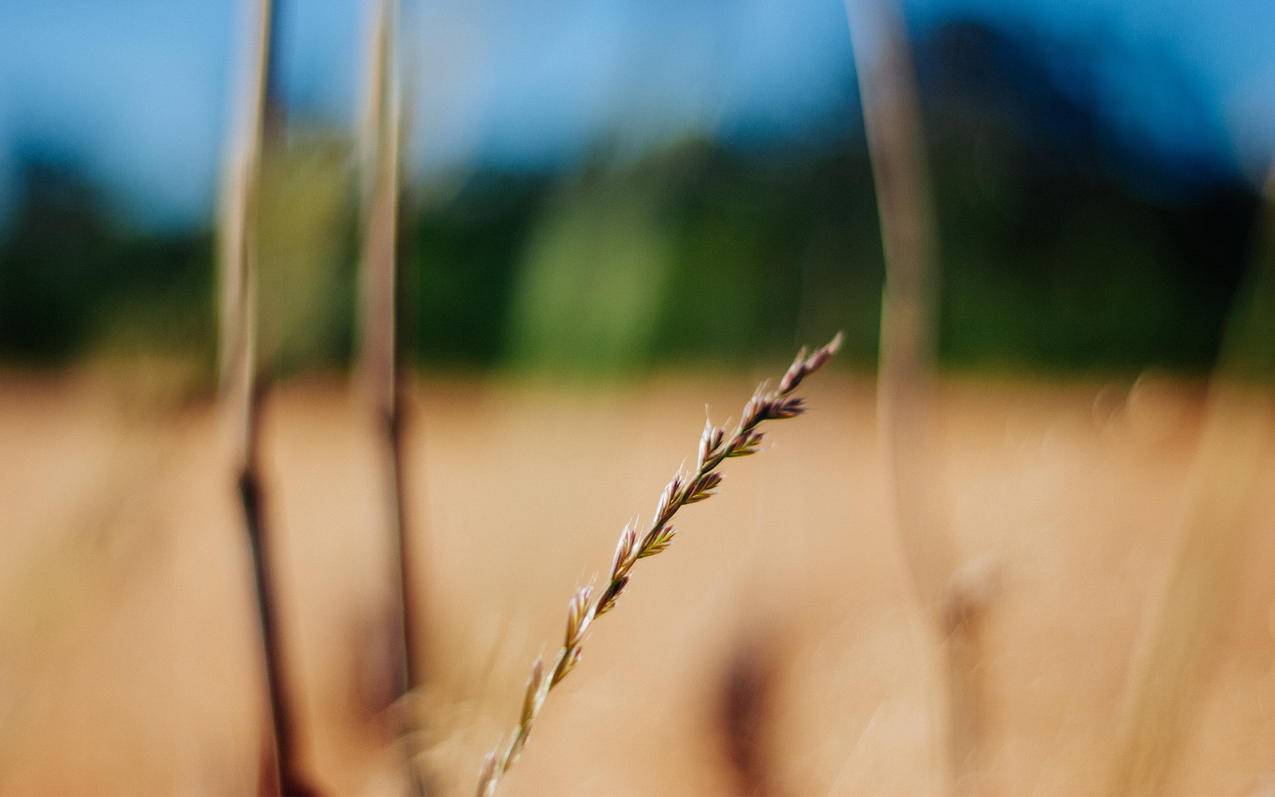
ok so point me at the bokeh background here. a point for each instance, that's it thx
(614, 213)
(614, 185)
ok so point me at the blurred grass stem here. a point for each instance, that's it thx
(381, 136)
(1175, 655)
(242, 387)
(904, 383)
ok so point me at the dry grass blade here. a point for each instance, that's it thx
(907, 301)
(242, 390)
(715, 447)
(237, 236)
(954, 606)
(380, 145)
(380, 353)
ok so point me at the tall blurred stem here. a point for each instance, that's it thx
(381, 352)
(242, 386)
(1172, 662)
(904, 383)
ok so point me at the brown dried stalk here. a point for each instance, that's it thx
(956, 604)
(381, 350)
(892, 122)
(287, 778)
(242, 389)
(715, 447)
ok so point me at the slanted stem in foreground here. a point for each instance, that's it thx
(715, 447)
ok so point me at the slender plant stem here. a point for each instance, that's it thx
(407, 555)
(953, 603)
(1173, 659)
(242, 390)
(381, 350)
(715, 447)
(908, 296)
(291, 781)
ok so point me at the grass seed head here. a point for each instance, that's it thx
(714, 448)
(625, 551)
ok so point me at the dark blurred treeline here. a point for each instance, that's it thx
(1065, 245)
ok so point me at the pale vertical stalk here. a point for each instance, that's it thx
(236, 330)
(241, 391)
(904, 385)
(379, 155)
(1173, 660)
(380, 143)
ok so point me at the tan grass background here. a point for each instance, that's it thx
(127, 651)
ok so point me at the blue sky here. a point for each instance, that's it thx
(136, 91)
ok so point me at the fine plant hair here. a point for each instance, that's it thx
(242, 389)
(586, 605)
(1177, 650)
(381, 349)
(953, 596)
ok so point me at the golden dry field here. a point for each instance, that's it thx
(128, 652)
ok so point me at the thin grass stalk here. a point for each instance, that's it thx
(242, 391)
(380, 144)
(586, 605)
(289, 779)
(1174, 658)
(381, 139)
(236, 331)
(905, 377)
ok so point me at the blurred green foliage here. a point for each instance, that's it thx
(306, 288)
(696, 252)
(1062, 247)
(72, 277)
(702, 252)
